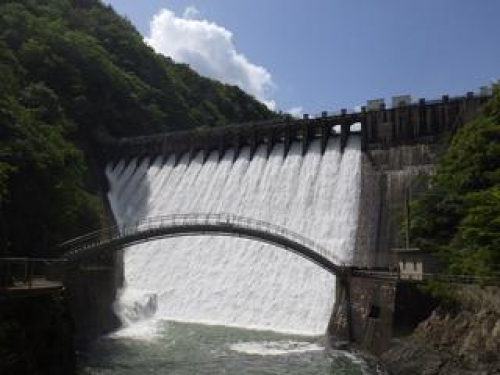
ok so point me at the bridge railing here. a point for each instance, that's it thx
(99, 237)
(25, 272)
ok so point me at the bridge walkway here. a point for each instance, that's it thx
(114, 238)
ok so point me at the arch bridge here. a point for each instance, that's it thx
(111, 239)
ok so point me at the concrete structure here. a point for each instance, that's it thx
(381, 128)
(415, 264)
(400, 144)
(364, 310)
(402, 151)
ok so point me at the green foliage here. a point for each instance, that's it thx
(107, 78)
(459, 217)
(478, 236)
(72, 70)
(44, 198)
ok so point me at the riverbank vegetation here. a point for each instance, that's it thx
(458, 218)
(71, 71)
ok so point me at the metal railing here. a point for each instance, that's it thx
(396, 274)
(25, 272)
(453, 279)
(97, 238)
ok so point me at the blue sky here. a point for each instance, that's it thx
(320, 55)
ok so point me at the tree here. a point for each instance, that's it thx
(459, 217)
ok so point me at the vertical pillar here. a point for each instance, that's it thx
(396, 124)
(345, 129)
(434, 120)
(383, 113)
(364, 130)
(384, 124)
(390, 115)
(153, 158)
(253, 142)
(445, 112)
(206, 153)
(236, 145)
(192, 150)
(325, 132)
(270, 141)
(469, 106)
(422, 118)
(205, 147)
(164, 143)
(221, 148)
(287, 139)
(159, 147)
(405, 123)
(372, 124)
(162, 158)
(305, 137)
(343, 308)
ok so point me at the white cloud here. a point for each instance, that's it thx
(296, 111)
(191, 13)
(208, 48)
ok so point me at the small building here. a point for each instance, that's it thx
(415, 264)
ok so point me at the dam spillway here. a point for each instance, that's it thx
(234, 281)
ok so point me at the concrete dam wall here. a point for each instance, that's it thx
(398, 145)
(401, 153)
(390, 178)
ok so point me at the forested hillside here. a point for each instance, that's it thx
(459, 217)
(71, 71)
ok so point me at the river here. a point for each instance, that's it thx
(185, 348)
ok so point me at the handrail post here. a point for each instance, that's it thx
(9, 272)
(25, 279)
(30, 273)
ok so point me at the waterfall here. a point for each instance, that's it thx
(230, 280)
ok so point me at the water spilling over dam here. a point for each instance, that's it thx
(234, 281)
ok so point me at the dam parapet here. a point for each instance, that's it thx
(380, 127)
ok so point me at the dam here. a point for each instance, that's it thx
(338, 179)
(238, 282)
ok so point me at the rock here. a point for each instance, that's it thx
(411, 358)
(463, 342)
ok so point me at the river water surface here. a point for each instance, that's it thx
(182, 348)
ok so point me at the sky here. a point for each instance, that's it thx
(311, 56)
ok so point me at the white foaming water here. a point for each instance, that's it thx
(275, 347)
(233, 281)
(136, 305)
